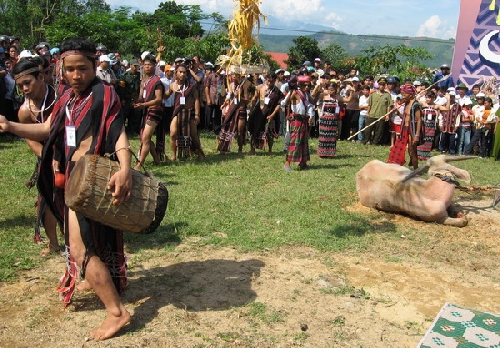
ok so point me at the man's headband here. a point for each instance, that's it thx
(78, 53)
(26, 72)
(409, 89)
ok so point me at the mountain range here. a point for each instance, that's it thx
(277, 36)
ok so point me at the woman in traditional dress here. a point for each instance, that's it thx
(429, 116)
(299, 102)
(328, 120)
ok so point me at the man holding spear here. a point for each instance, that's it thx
(386, 116)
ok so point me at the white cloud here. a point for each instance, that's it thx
(312, 11)
(435, 27)
(292, 9)
(430, 27)
(332, 20)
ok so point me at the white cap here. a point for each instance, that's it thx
(162, 63)
(480, 95)
(452, 93)
(417, 83)
(25, 54)
(451, 89)
(209, 65)
(125, 62)
(144, 54)
(355, 78)
(104, 58)
(287, 73)
(172, 68)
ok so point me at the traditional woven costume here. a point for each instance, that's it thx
(298, 149)
(328, 128)
(41, 117)
(96, 110)
(408, 132)
(184, 141)
(231, 114)
(429, 116)
(449, 121)
(258, 125)
(154, 113)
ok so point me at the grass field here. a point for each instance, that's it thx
(245, 202)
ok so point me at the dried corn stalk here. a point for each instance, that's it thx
(246, 16)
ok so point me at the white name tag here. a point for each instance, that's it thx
(266, 100)
(70, 136)
(183, 100)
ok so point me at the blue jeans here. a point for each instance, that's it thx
(463, 139)
(361, 125)
(447, 140)
(478, 137)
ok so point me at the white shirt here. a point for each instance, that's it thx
(363, 101)
(461, 101)
(169, 102)
(107, 75)
(441, 100)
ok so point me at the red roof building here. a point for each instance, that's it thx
(279, 58)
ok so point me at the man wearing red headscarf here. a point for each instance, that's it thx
(410, 131)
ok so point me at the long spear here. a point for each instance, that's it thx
(387, 114)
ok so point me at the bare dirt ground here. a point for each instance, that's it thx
(200, 296)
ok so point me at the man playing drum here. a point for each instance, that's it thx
(86, 119)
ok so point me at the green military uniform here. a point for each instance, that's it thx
(379, 103)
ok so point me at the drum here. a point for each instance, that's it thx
(87, 193)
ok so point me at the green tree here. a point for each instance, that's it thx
(209, 46)
(182, 21)
(115, 29)
(304, 48)
(338, 57)
(333, 53)
(399, 60)
(28, 19)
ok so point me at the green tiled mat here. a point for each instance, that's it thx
(457, 327)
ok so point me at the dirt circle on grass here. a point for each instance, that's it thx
(201, 296)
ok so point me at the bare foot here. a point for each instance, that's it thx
(111, 325)
(49, 250)
(83, 286)
(138, 166)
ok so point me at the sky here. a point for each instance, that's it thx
(436, 19)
